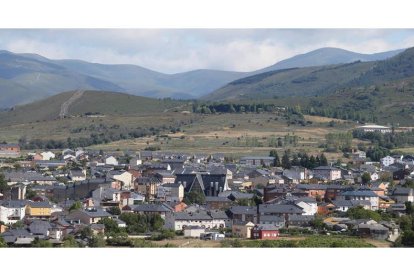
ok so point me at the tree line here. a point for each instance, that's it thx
(298, 159)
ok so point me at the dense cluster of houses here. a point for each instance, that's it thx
(250, 198)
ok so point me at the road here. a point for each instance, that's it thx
(65, 106)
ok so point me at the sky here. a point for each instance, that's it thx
(180, 50)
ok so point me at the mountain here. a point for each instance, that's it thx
(319, 80)
(88, 102)
(327, 56)
(25, 78)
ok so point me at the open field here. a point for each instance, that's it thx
(237, 134)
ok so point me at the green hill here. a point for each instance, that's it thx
(91, 102)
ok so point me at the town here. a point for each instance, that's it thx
(91, 198)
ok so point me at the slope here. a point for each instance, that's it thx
(91, 102)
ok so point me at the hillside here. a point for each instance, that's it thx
(91, 102)
(25, 78)
(306, 81)
(322, 80)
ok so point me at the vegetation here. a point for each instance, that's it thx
(75, 206)
(312, 241)
(41, 243)
(138, 224)
(361, 213)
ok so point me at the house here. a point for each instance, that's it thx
(194, 231)
(325, 208)
(31, 177)
(265, 232)
(50, 164)
(361, 194)
(387, 161)
(18, 236)
(110, 160)
(166, 177)
(374, 128)
(9, 150)
(279, 210)
(343, 205)
(40, 209)
(47, 155)
(317, 191)
(402, 195)
(242, 229)
(308, 205)
(147, 186)
(374, 231)
(123, 177)
(12, 211)
(243, 213)
(77, 175)
(183, 220)
(300, 221)
(152, 209)
(265, 161)
(327, 172)
(91, 215)
(277, 221)
(175, 191)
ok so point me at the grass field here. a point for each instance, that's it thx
(237, 135)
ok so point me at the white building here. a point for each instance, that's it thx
(387, 161)
(47, 155)
(183, 220)
(110, 160)
(309, 206)
(375, 128)
(12, 211)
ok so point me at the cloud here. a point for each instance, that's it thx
(178, 50)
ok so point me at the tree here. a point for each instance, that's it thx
(3, 184)
(194, 197)
(114, 211)
(75, 206)
(273, 153)
(69, 241)
(285, 160)
(2, 242)
(41, 243)
(408, 239)
(361, 213)
(365, 178)
(111, 227)
(86, 233)
(323, 161)
(97, 241)
(317, 223)
(409, 209)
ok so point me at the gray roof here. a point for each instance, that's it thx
(402, 191)
(96, 213)
(192, 216)
(364, 193)
(267, 227)
(151, 208)
(243, 210)
(39, 204)
(280, 209)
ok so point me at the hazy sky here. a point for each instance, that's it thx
(179, 50)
